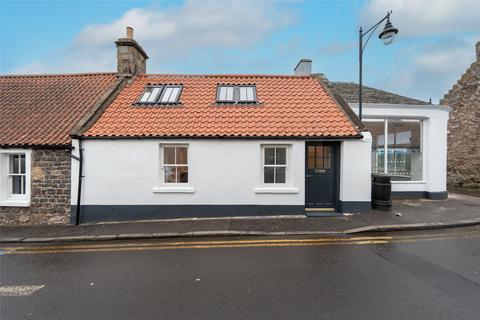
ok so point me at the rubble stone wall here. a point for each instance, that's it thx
(50, 191)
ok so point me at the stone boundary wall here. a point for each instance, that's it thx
(464, 128)
(50, 191)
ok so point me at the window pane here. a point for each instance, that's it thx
(327, 151)
(311, 151)
(269, 174)
(182, 174)
(281, 155)
(182, 155)
(170, 174)
(229, 96)
(154, 95)
(166, 95)
(311, 163)
(327, 163)
(280, 174)
(17, 185)
(169, 155)
(269, 155)
(243, 93)
(175, 95)
(22, 163)
(319, 163)
(319, 151)
(250, 95)
(377, 129)
(222, 94)
(14, 163)
(146, 94)
(404, 158)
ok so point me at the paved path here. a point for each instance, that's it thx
(406, 214)
(427, 275)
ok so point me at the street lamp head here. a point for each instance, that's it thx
(388, 34)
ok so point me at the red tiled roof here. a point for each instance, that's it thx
(42, 109)
(289, 106)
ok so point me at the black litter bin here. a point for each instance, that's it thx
(381, 192)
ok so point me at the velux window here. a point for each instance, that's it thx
(236, 94)
(161, 94)
(175, 164)
(274, 164)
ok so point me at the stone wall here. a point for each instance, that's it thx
(464, 128)
(50, 191)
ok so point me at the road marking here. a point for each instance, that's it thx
(163, 247)
(211, 244)
(19, 291)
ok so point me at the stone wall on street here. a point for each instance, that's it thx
(464, 128)
(50, 191)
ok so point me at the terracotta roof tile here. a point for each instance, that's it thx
(289, 106)
(42, 109)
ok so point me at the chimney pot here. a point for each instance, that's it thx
(130, 32)
(303, 68)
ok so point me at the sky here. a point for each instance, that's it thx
(434, 46)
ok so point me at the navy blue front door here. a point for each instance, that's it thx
(320, 175)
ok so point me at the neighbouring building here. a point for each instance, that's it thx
(409, 139)
(37, 113)
(464, 128)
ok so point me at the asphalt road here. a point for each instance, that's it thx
(428, 275)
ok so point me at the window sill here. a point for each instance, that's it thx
(174, 189)
(14, 203)
(276, 190)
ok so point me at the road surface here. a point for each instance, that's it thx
(421, 275)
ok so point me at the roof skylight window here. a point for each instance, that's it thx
(161, 94)
(236, 94)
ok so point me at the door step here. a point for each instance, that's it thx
(321, 212)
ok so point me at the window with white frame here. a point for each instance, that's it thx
(274, 164)
(237, 94)
(175, 163)
(14, 178)
(397, 148)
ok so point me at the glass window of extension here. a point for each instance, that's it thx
(161, 94)
(274, 164)
(175, 164)
(236, 94)
(17, 177)
(398, 144)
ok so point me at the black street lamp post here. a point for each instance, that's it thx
(387, 36)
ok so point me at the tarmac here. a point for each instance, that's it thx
(406, 214)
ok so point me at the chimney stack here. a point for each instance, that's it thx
(131, 58)
(477, 48)
(303, 68)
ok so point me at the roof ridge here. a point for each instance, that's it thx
(226, 75)
(56, 74)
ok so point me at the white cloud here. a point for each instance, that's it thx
(430, 70)
(177, 32)
(419, 18)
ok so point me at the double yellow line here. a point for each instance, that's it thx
(212, 244)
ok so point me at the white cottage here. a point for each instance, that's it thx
(170, 146)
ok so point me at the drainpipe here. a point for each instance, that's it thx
(80, 177)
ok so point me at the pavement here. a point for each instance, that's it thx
(456, 211)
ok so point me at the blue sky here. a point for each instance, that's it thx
(434, 46)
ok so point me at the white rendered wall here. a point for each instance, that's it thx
(434, 141)
(355, 169)
(128, 172)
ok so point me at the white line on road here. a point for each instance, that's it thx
(18, 291)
